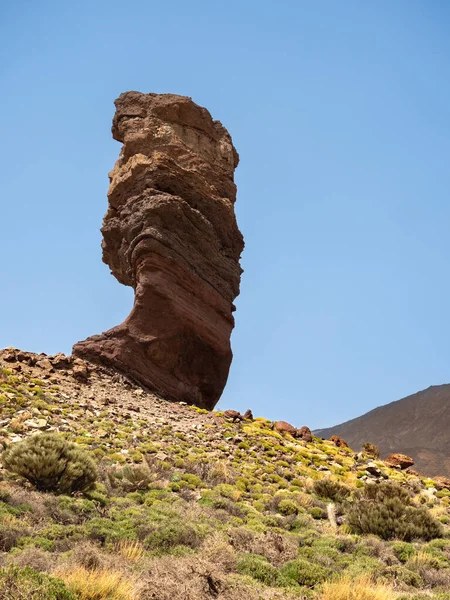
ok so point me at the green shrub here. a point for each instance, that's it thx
(169, 534)
(288, 507)
(331, 490)
(17, 584)
(130, 478)
(400, 574)
(318, 513)
(302, 572)
(403, 551)
(258, 567)
(51, 464)
(371, 449)
(386, 510)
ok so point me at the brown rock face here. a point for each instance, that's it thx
(399, 460)
(338, 441)
(170, 232)
(442, 483)
(304, 433)
(284, 427)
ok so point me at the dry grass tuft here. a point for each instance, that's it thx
(131, 550)
(351, 589)
(98, 584)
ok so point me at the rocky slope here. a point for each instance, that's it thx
(195, 505)
(418, 425)
(170, 232)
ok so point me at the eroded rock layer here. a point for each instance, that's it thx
(170, 232)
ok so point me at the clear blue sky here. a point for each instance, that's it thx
(340, 113)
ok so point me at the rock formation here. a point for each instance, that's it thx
(338, 441)
(284, 427)
(304, 433)
(170, 232)
(399, 460)
(236, 416)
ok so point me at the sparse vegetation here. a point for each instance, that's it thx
(386, 510)
(355, 589)
(98, 585)
(371, 450)
(196, 508)
(21, 584)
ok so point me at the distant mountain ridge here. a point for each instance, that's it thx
(418, 425)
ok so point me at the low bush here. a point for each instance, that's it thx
(403, 551)
(386, 510)
(168, 534)
(50, 463)
(400, 574)
(258, 567)
(130, 478)
(17, 584)
(331, 490)
(371, 450)
(302, 572)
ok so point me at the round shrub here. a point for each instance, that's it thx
(302, 572)
(258, 567)
(371, 449)
(287, 507)
(317, 513)
(51, 463)
(331, 490)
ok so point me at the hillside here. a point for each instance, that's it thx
(418, 425)
(191, 506)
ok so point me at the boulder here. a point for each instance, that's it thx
(248, 415)
(399, 460)
(304, 433)
(338, 441)
(284, 427)
(170, 232)
(234, 415)
(442, 483)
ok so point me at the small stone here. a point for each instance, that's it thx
(80, 372)
(36, 423)
(161, 456)
(44, 363)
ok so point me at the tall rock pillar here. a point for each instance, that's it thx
(170, 232)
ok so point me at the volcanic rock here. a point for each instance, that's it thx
(170, 232)
(399, 460)
(304, 433)
(284, 427)
(442, 483)
(338, 441)
(234, 415)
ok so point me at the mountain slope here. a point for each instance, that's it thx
(418, 425)
(189, 505)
